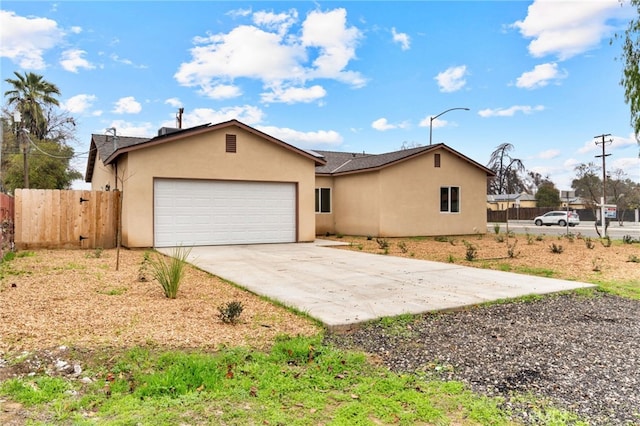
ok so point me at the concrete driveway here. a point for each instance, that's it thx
(342, 288)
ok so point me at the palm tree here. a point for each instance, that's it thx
(30, 94)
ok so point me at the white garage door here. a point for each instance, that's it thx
(202, 212)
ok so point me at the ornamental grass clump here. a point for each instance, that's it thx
(169, 272)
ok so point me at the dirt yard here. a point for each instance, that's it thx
(77, 298)
(619, 262)
(73, 298)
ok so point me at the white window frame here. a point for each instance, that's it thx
(449, 210)
(319, 205)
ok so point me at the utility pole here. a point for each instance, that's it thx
(604, 155)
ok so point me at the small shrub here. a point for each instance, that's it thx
(339, 235)
(369, 238)
(633, 258)
(403, 247)
(530, 239)
(540, 237)
(569, 237)
(230, 313)
(169, 273)
(472, 251)
(451, 259)
(496, 228)
(597, 264)
(143, 270)
(606, 241)
(382, 243)
(452, 241)
(628, 239)
(441, 239)
(511, 250)
(556, 248)
(499, 238)
(588, 242)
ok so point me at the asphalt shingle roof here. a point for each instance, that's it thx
(343, 162)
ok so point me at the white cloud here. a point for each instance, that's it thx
(612, 143)
(75, 30)
(382, 125)
(247, 114)
(79, 104)
(125, 61)
(277, 54)
(303, 139)
(72, 60)
(336, 44)
(549, 154)
(452, 79)
(569, 28)
(280, 22)
(221, 91)
(540, 76)
(26, 39)
(293, 95)
(126, 128)
(127, 105)
(239, 13)
(174, 102)
(510, 112)
(401, 38)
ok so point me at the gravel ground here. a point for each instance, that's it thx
(583, 353)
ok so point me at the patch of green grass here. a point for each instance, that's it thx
(117, 291)
(540, 272)
(36, 390)
(504, 267)
(629, 289)
(300, 381)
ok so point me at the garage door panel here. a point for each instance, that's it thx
(195, 212)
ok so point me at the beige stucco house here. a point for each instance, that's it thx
(226, 183)
(229, 183)
(430, 190)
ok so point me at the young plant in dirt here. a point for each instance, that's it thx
(382, 243)
(403, 247)
(230, 313)
(511, 250)
(589, 243)
(169, 273)
(556, 248)
(472, 251)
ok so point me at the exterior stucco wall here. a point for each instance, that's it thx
(404, 199)
(325, 221)
(410, 197)
(356, 203)
(102, 176)
(203, 157)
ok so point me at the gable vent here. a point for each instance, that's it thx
(231, 144)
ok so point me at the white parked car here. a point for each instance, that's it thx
(557, 218)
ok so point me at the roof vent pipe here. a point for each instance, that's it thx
(112, 130)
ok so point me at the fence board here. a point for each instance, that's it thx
(57, 219)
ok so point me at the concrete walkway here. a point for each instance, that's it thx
(341, 288)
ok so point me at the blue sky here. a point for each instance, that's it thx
(345, 76)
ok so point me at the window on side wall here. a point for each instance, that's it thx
(323, 200)
(450, 199)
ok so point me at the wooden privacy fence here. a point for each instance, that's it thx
(50, 218)
(6, 223)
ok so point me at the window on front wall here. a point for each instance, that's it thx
(450, 199)
(323, 200)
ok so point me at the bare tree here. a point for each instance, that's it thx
(507, 170)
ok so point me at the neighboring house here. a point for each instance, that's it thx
(425, 191)
(226, 183)
(576, 203)
(507, 201)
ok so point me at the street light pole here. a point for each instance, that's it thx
(434, 117)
